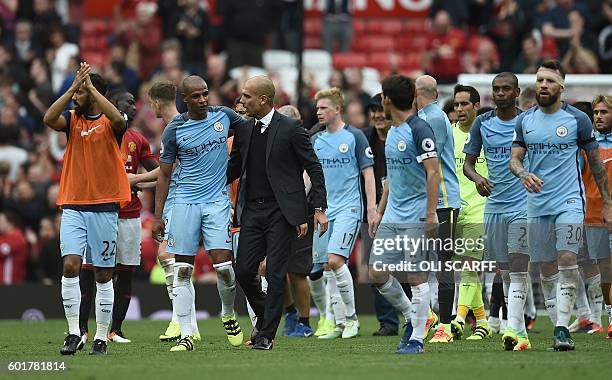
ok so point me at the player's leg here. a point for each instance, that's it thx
(183, 240)
(598, 243)
(387, 285)
(541, 241)
(73, 243)
(128, 259)
(335, 310)
(299, 266)
(291, 312)
(216, 231)
(592, 286)
(87, 282)
(419, 314)
(446, 279)
(530, 308)
(319, 297)
(341, 244)
(569, 232)
(102, 230)
(605, 268)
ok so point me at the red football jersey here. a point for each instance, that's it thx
(136, 149)
(13, 258)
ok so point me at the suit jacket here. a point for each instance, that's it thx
(288, 153)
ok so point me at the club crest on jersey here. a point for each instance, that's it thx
(170, 242)
(401, 146)
(132, 146)
(218, 126)
(62, 247)
(428, 145)
(561, 131)
(468, 138)
(368, 153)
(343, 148)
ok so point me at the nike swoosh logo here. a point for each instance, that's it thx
(87, 133)
(106, 258)
(186, 138)
(528, 132)
(492, 134)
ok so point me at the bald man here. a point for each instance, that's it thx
(269, 155)
(449, 202)
(198, 139)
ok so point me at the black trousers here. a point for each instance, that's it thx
(264, 233)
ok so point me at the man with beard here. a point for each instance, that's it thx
(135, 148)
(552, 134)
(92, 186)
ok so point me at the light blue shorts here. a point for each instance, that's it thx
(505, 233)
(167, 215)
(339, 238)
(549, 234)
(91, 235)
(411, 247)
(598, 244)
(190, 221)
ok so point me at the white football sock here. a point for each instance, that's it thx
(194, 317)
(105, 295)
(566, 293)
(344, 281)
(506, 280)
(336, 299)
(433, 291)
(595, 297)
(252, 314)
(420, 309)
(488, 281)
(168, 267)
(393, 292)
(264, 284)
(71, 297)
(329, 310)
(317, 290)
(582, 303)
(183, 296)
(226, 285)
(549, 290)
(456, 298)
(517, 293)
(609, 312)
(530, 308)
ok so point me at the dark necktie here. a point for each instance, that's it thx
(258, 126)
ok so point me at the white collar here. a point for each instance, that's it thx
(266, 120)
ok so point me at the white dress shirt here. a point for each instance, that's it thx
(266, 120)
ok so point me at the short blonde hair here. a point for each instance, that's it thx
(334, 94)
(605, 99)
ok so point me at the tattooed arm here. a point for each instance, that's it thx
(601, 178)
(529, 180)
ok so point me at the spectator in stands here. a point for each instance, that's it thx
(141, 36)
(355, 116)
(27, 204)
(530, 58)
(507, 28)
(44, 20)
(169, 12)
(10, 67)
(581, 57)
(286, 34)
(13, 250)
(128, 75)
(48, 256)
(245, 27)
(458, 11)
(13, 155)
(485, 59)
(41, 95)
(527, 98)
(444, 49)
(337, 25)
(25, 46)
(556, 23)
(192, 30)
(8, 16)
(61, 52)
(605, 39)
(353, 89)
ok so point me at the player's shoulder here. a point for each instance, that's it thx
(417, 124)
(576, 113)
(485, 117)
(355, 132)
(178, 120)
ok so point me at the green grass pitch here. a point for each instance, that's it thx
(365, 357)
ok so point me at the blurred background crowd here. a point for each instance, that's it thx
(134, 43)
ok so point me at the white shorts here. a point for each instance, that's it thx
(129, 241)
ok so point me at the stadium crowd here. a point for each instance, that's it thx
(41, 45)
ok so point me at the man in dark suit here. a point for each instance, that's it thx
(269, 154)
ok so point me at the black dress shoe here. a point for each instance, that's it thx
(263, 343)
(385, 330)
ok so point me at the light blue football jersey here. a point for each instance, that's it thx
(445, 146)
(553, 143)
(495, 136)
(343, 155)
(201, 148)
(406, 147)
